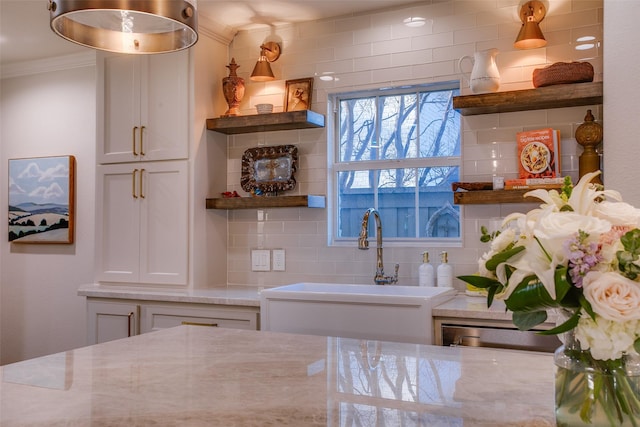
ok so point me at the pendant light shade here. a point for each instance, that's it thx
(126, 26)
(530, 35)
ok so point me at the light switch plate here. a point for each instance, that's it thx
(278, 260)
(260, 260)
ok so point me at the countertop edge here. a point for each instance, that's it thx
(232, 295)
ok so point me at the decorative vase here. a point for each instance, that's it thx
(591, 392)
(485, 76)
(233, 89)
(589, 135)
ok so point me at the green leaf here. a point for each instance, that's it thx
(571, 323)
(479, 281)
(527, 321)
(631, 241)
(530, 295)
(636, 345)
(501, 257)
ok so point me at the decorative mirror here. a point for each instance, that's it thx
(269, 169)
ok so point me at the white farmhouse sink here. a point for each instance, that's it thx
(386, 313)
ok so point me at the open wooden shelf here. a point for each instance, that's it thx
(557, 96)
(307, 201)
(488, 197)
(233, 125)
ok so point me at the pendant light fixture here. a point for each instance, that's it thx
(269, 52)
(126, 26)
(530, 35)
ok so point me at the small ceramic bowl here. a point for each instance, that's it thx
(264, 108)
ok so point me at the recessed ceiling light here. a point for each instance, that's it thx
(414, 21)
(585, 46)
(327, 76)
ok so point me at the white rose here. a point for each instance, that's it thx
(612, 296)
(606, 339)
(503, 240)
(619, 213)
(560, 225)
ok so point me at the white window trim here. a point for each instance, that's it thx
(333, 167)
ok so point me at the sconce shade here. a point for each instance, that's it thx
(530, 35)
(269, 52)
(126, 26)
(262, 71)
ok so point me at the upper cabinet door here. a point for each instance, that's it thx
(143, 107)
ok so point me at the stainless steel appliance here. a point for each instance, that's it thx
(483, 336)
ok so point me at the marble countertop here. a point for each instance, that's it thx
(196, 376)
(230, 295)
(472, 307)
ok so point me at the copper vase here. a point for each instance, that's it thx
(233, 89)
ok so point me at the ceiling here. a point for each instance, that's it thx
(25, 34)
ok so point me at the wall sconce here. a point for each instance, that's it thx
(126, 26)
(530, 35)
(269, 52)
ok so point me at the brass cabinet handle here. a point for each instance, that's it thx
(133, 141)
(133, 183)
(142, 128)
(129, 318)
(214, 325)
(141, 192)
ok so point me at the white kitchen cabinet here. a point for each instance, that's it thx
(109, 320)
(142, 223)
(143, 107)
(167, 315)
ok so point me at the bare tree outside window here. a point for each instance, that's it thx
(398, 151)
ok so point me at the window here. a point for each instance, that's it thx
(397, 150)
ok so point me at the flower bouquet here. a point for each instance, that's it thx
(576, 256)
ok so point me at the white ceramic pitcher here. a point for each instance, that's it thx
(485, 76)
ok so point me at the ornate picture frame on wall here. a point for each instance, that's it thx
(269, 170)
(298, 94)
(42, 199)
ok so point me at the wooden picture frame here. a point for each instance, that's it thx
(42, 200)
(298, 94)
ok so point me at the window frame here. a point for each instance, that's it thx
(334, 166)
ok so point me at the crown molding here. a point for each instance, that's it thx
(38, 66)
(215, 30)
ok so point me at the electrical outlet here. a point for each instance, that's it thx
(260, 260)
(278, 260)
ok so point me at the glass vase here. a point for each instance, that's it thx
(591, 392)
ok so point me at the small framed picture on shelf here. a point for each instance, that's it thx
(298, 94)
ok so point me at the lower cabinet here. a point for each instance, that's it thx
(114, 319)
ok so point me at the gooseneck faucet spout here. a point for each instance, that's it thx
(363, 243)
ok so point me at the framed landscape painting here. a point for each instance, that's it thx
(41, 199)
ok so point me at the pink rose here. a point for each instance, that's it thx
(612, 296)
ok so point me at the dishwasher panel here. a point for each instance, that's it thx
(479, 336)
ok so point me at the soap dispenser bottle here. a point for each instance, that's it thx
(426, 276)
(445, 272)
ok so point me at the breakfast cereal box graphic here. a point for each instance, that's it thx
(539, 153)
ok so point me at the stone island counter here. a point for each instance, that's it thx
(198, 376)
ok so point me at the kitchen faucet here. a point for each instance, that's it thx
(363, 243)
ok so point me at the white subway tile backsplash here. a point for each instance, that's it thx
(372, 50)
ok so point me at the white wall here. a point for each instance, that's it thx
(622, 98)
(376, 50)
(47, 114)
